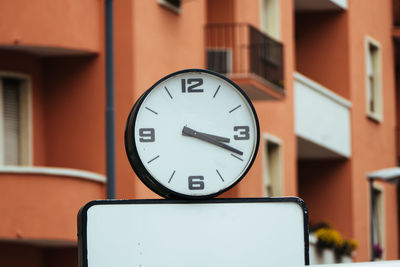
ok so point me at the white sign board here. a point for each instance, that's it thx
(366, 264)
(210, 233)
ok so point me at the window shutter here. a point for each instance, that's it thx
(11, 121)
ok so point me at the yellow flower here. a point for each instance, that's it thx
(352, 244)
(329, 237)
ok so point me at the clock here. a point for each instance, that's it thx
(194, 134)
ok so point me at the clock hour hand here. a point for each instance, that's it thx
(209, 138)
(216, 137)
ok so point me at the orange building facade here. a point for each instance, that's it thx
(323, 76)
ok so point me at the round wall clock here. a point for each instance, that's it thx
(193, 134)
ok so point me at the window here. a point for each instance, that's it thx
(173, 5)
(272, 166)
(270, 19)
(219, 60)
(378, 222)
(373, 80)
(14, 121)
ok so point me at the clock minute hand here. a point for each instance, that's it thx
(190, 132)
(208, 138)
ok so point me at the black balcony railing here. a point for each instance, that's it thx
(242, 49)
(396, 13)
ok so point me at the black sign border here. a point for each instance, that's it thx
(82, 216)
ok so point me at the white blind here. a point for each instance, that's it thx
(11, 121)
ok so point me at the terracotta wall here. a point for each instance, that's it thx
(277, 117)
(325, 186)
(156, 54)
(330, 49)
(214, 14)
(74, 117)
(63, 131)
(247, 11)
(322, 49)
(43, 207)
(125, 92)
(21, 63)
(373, 142)
(68, 99)
(157, 51)
(160, 50)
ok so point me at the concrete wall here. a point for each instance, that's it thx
(322, 118)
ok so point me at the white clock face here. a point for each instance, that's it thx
(195, 133)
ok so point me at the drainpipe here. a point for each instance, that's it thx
(110, 124)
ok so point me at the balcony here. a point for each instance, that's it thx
(247, 56)
(49, 28)
(320, 5)
(322, 121)
(40, 204)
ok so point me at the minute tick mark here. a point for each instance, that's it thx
(166, 89)
(216, 91)
(152, 110)
(172, 175)
(233, 155)
(220, 175)
(153, 159)
(235, 109)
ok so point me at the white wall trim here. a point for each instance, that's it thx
(28, 82)
(53, 171)
(266, 137)
(382, 190)
(13, 74)
(377, 115)
(340, 3)
(169, 6)
(272, 138)
(321, 90)
(275, 9)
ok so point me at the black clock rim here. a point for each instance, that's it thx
(134, 158)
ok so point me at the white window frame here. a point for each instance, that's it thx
(373, 69)
(277, 180)
(272, 16)
(167, 5)
(26, 118)
(380, 214)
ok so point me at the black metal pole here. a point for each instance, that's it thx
(372, 216)
(110, 124)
